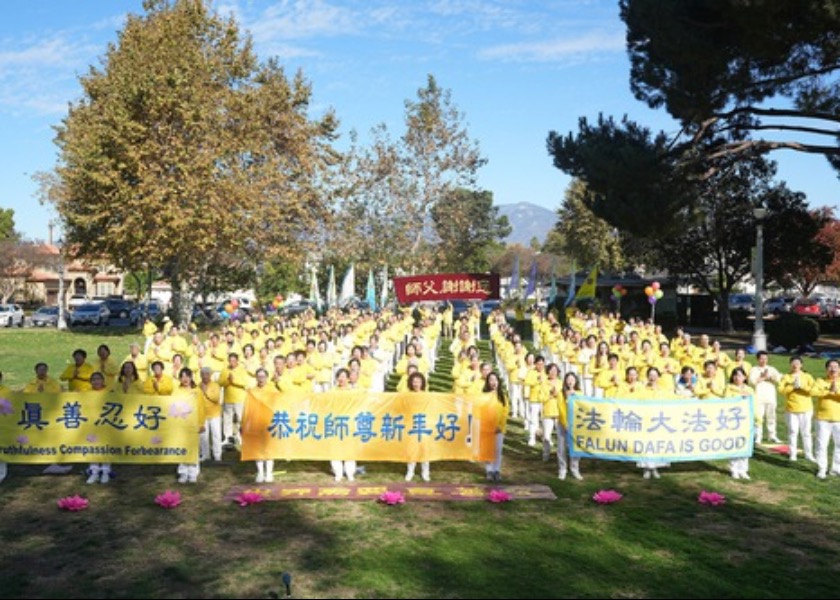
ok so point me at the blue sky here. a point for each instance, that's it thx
(516, 68)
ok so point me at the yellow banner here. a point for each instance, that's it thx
(385, 426)
(660, 430)
(82, 427)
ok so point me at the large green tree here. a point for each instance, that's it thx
(469, 230)
(587, 239)
(187, 155)
(390, 187)
(740, 76)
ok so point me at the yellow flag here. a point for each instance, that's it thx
(587, 290)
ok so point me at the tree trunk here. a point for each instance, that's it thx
(182, 300)
(724, 316)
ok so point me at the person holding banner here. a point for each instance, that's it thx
(42, 383)
(188, 472)
(739, 467)
(158, 383)
(128, 380)
(259, 392)
(417, 384)
(342, 468)
(796, 387)
(493, 385)
(571, 386)
(98, 472)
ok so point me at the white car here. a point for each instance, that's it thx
(11, 314)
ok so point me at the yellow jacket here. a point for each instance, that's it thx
(797, 397)
(829, 401)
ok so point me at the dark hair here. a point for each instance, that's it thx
(187, 371)
(417, 375)
(133, 368)
(736, 370)
(501, 396)
(761, 353)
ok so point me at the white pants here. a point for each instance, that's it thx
(800, 423)
(344, 468)
(228, 430)
(547, 431)
(425, 471)
(210, 440)
(827, 430)
(516, 402)
(189, 470)
(534, 413)
(496, 465)
(99, 468)
(265, 467)
(765, 412)
(739, 466)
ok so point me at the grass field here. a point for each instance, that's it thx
(778, 536)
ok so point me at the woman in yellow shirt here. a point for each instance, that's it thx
(210, 393)
(186, 392)
(493, 385)
(571, 386)
(98, 472)
(739, 467)
(417, 384)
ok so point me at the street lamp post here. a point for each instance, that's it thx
(759, 340)
(62, 321)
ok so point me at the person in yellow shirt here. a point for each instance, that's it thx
(764, 378)
(98, 472)
(77, 375)
(262, 393)
(4, 392)
(342, 468)
(158, 383)
(714, 384)
(139, 359)
(827, 390)
(609, 378)
(534, 381)
(149, 330)
(571, 386)
(417, 385)
(493, 385)
(106, 365)
(210, 393)
(549, 394)
(186, 392)
(128, 380)
(42, 383)
(234, 381)
(688, 385)
(740, 360)
(796, 386)
(739, 467)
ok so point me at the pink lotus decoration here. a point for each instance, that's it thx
(91, 437)
(498, 496)
(392, 498)
(168, 499)
(22, 439)
(6, 406)
(246, 498)
(711, 498)
(180, 410)
(73, 503)
(782, 449)
(156, 440)
(607, 496)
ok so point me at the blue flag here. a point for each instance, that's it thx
(570, 296)
(532, 279)
(514, 278)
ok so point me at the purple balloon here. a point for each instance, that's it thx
(652, 299)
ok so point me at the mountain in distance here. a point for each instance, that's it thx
(527, 221)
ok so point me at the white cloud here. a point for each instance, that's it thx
(300, 19)
(557, 50)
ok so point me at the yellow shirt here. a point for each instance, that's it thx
(212, 397)
(48, 386)
(829, 402)
(159, 387)
(797, 397)
(78, 378)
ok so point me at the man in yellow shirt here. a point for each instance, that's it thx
(210, 393)
(827, 391)
(796, 387)
(42, 383)
(234, 379)
(77, 375)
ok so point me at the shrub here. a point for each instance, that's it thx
(792, 331)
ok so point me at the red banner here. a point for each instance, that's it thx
(447, 286)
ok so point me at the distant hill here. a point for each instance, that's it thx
(528, 221)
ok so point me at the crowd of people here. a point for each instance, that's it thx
(597, 355)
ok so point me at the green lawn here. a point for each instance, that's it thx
(778, 536)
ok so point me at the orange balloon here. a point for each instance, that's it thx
(229, 308)
(649, 291)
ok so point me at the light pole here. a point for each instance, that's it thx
(759, 340)
(62, 322)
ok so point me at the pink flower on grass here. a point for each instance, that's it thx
(91, 437)
(498, 496)
(156, 439)
(391, 498)
(607, 496)
(22, 439)
(180, 410)
(711, 498)
(246, 498)
(73, 503)
(168, 499)
(6, 406)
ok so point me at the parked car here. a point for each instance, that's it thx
(779, 305)
(742, 302)
(119, 308)
(92, 313)
(46, 316)
(149, 309)
(295, 308)
(11, 314)
(808, 307)
(77, 300)
(488, 306)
